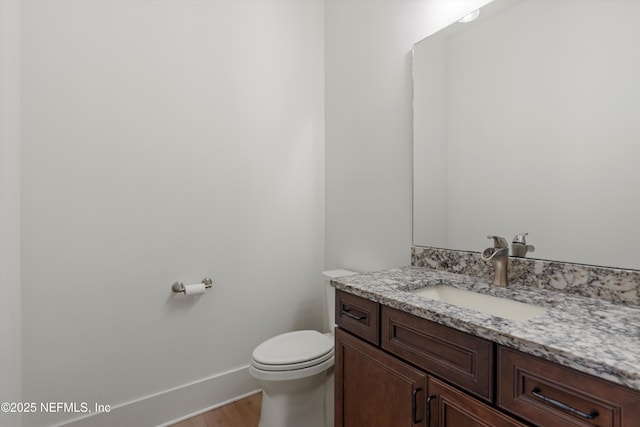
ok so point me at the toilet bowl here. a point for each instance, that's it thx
(295, 371)
(291, 369)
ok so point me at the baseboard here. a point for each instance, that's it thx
(174, 405)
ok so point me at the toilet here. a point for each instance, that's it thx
(295, 371)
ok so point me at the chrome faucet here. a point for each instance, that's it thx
(499, 253)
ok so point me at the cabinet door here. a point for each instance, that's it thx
(374, 389)
(448, 407)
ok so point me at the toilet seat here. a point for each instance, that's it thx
(292, 366)
(293, 350)
(292, 374)
(292, 355)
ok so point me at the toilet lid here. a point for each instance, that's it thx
(293, 348)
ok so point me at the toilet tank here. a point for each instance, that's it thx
(330, 300)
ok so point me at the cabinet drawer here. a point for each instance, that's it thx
(457, 357)
(358, 315)
(548, 394)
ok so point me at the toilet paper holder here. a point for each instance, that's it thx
(178, 287)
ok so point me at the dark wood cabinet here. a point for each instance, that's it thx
(394, 369)
(382, 360)
(374, 389)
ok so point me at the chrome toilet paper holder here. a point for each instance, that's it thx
(178, 287)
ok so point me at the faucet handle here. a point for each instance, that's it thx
(520, 238)
(499, 242)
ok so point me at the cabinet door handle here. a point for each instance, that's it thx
(414, 406)
(538, 393)
(347, 312)
(429, 399)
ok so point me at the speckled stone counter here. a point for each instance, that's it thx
(591, 335)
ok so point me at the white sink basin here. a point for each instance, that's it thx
(501, 307)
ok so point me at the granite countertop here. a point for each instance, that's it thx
(591, 335)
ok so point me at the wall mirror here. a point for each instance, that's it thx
(528, 120)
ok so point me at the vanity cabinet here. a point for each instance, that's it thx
(394, 369)
(388, 379)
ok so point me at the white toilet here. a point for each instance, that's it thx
(295, 371)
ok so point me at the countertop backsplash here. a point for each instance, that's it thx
(613, 284)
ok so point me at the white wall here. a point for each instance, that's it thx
(10, 298)
(170, 140)
(162, 141)
(368, 125)
(368, 131)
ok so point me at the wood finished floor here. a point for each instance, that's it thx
(242, 413)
